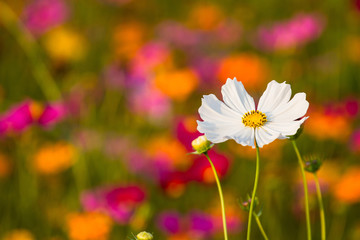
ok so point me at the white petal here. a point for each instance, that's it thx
(236, 97)
(265, 136)
(275, 95)
(292, 110)
(212, 109)
(286, 128)
(220, 122)
(246, 137)
(217, 133)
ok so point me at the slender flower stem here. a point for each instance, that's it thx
(41, 74)
(307, 212)
(221, 196)
(254, 191)
(260, 226)
(321, 206)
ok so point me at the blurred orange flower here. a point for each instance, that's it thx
(181, 236)
(5, 166)
(170, 149)
(64, 44)
(88, 226)
(128, 39)
(206, 17)
(248, 68)
(19, 234)
(54, 158)
(177, 84)
(348, 188)
(327, 126)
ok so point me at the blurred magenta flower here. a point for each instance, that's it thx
(118, 202)
(293, 33)
(197, 224)
(201, 224)
(52, 114)
(169, 222)
(42, 15)
(355, 141)
(30, 112)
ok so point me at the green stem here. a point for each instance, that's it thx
(260, 226)
(321, 206)
(307, 212)
(28, 44)
(221, 196)
(254, 191)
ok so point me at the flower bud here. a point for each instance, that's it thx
(312, 165)
(245, 205)
(201, 144)
(144, 236)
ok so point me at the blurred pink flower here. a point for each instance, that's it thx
(178, 34)
(42, 15)
(118, 202)
(290, 34)
(149, 102)
(22, 116)
(149, 56)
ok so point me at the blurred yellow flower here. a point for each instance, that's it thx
(54, 158)
(128, 38)
(19, 234)
(348, 188)
(5, 166)
(88, 226)
(64, 44)
(248, 68)
(177, 84)
(206, 17)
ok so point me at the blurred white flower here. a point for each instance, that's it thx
(276, 116)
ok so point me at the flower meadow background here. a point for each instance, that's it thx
(99, 100)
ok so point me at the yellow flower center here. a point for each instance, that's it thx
(254, 119)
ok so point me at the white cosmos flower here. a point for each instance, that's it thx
(276, 116)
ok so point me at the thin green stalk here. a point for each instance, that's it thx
(260, 226)
(321, 206)
(28, 44)
(221, 196)
(306, 201)
(254, 191)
